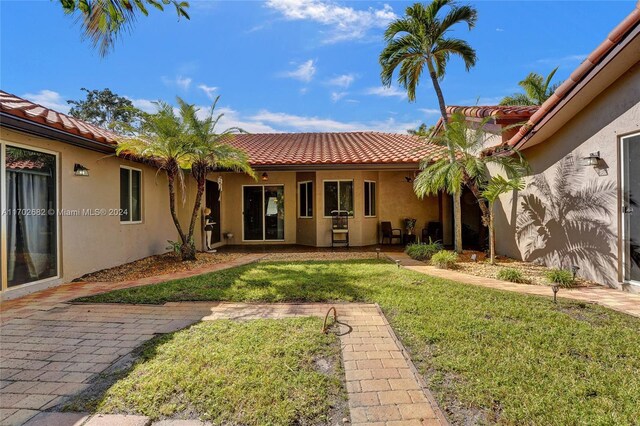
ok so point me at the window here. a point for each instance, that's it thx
(338, 196)
(130, 195)
(305, 201)
(369, 198)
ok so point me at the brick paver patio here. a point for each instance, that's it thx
(614, 299)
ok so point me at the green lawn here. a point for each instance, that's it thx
(243, 373)
(505, 357)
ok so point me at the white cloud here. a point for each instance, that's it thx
(430, 111)
(500, 30)
(145, 105)
(49, 99)
(343, 80)
(182, 82)
(233, 118)
(386, 92)
(304, 72)
(292, 122)
(345, 23)
(208, 90)
(563, 61)
(336, 96)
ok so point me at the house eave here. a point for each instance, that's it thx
(342, 166)
(36, 129)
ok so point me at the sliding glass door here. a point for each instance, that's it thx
(631, 206)
(29, 222)
(263, 212)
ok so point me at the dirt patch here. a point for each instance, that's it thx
(482, 268)
(161, 264)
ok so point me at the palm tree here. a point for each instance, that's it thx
(470, 166)
(537, 89)
(422, 130)
(178, 142)
(103, 20)
(418, 40)
(497, 186)
(566, 222)
(210, 151)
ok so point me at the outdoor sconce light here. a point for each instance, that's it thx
(574, 270)
(409, 179)
(555, 289)
(378, 252)
(593, 159)
(80, 170)
(398, 263)
(265, 176)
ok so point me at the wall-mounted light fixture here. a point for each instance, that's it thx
(409, 179)
(265, 176)
(80, 170)
(593, 159)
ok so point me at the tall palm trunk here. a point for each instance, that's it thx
(457, 204)
(200, 175)
(492, 240)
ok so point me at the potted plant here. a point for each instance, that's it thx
(409, 225)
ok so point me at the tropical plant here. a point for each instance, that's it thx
(418, 40)
(497, 186)
(210, 150)
(562, 277)
(470, 166)
(565, 222)
(103, 20)
(422, 130)
(511, 274)
(106, 109)
(423, 251)
(444, 259)
(537, 89)
(175, 142)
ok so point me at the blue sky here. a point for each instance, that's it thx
(291, 65)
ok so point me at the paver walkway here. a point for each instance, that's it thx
(615, 299)
(383, 385)
(50, 298)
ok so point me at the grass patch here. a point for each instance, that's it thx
(423, 251)
(489, 356)
(562, 277)
(278, 372)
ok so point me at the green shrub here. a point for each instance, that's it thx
(444, 259)
(511, 274)
(423, 251)
(562, 277)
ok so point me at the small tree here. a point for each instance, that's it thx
(106, 109)
(178, 142)
(497, 186)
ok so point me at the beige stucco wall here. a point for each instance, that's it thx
(92, 243)
(231, 204)
(598, 127)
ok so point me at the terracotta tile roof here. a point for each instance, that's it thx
(335, 148)
(24, 164)
(612, 40)
(30, 111)
(498, 111)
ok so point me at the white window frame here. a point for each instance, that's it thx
(371, 205)
(264, 225)
(4, 279)
(624, 220)
(353, 191)
(307, 183)
(132, 222)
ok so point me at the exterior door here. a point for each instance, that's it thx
(263, 212)
(213, 202)
(631, 206)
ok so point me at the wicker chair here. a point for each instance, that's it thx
(339, 228)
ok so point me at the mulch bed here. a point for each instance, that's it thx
(160, 264)
(482, 268)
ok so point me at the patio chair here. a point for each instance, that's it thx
(432, 231)
(387, 231)
(339, 228)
